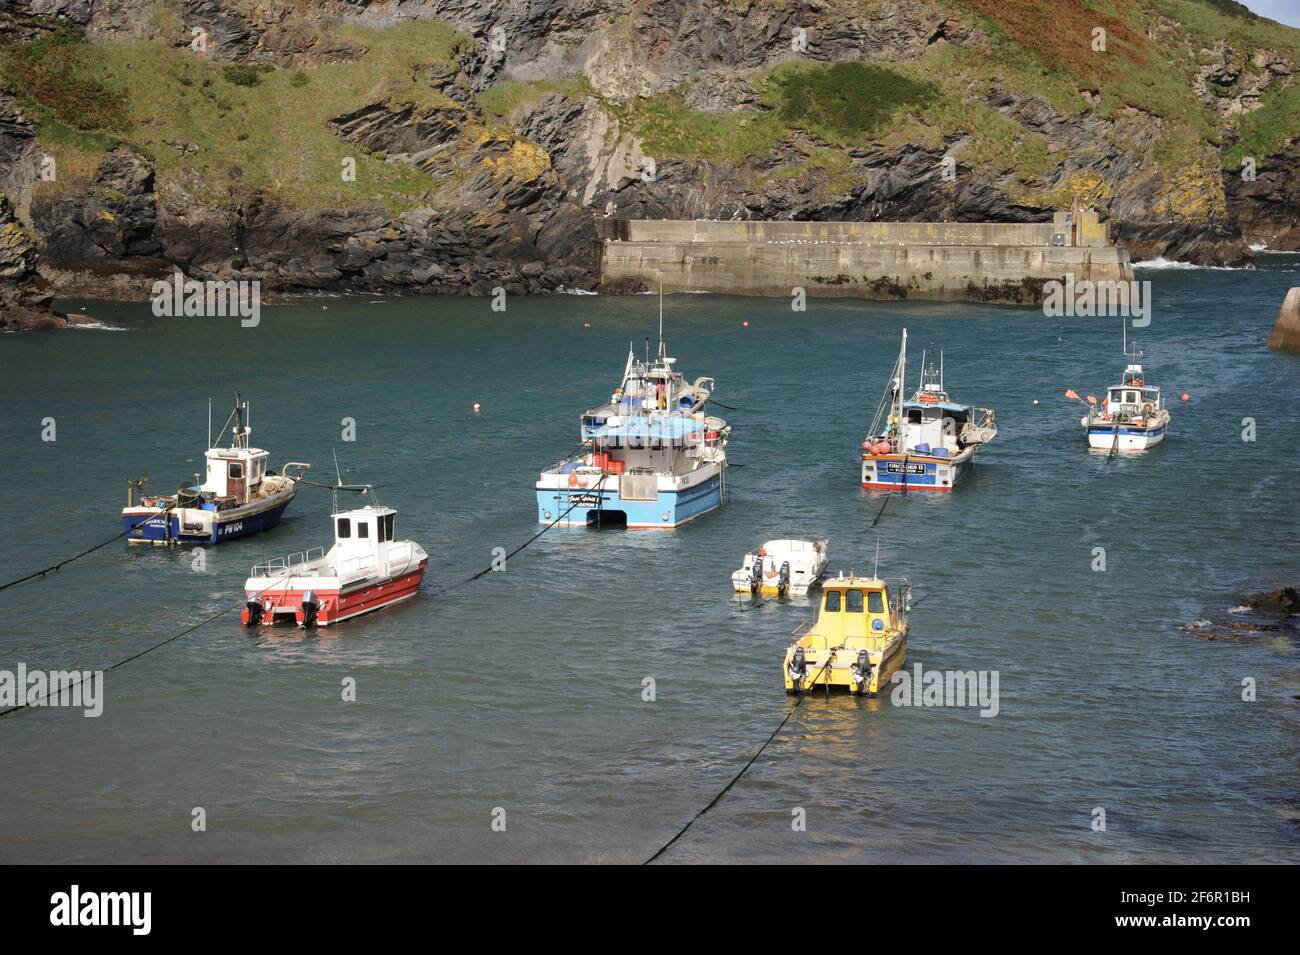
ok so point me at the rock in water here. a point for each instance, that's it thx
(1286, 600)
(1286, 330)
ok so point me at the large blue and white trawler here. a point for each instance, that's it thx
(238, 497)
(651, 458)
(928, 442)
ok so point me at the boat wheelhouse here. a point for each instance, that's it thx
(929, 441)
(856, 641)
(365, 570)
(238, 495)
(1132, 416)
(652, 457)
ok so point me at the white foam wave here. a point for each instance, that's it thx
(1161, 262)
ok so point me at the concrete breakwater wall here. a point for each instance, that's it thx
(1286, 329)
(952, 261)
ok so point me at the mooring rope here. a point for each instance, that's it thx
(735, 779)
(136, 656)
(744, 769)
(881, 512)
(243, 601)
(91, 550)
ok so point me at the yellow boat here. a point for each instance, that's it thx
(857, 641)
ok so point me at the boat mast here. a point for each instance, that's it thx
(239, 420)
(661, 318)
(902, 381)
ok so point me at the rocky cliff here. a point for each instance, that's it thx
(459, 145)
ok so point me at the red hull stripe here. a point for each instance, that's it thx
(910, 487)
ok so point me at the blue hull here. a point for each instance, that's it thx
(579, 507)
(168, 530)
(920, 475)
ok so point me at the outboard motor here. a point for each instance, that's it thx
(798, 668)
(861, 671)
(756, 575)
(783, 580)
(310, 607)
(253, 612)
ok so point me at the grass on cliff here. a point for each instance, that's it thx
(253, 128)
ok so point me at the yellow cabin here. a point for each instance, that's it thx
(857, 641)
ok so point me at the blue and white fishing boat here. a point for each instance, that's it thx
(238, 497)
(928, 442)
(651, 458)
(1133, 416)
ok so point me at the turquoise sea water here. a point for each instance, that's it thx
(523, 691)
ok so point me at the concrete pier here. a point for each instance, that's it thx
(1286, 330)
(946, 261)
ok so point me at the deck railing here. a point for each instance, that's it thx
(284, 566)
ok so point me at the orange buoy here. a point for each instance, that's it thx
(1185, 396)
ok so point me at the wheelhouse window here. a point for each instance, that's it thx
(363, 529)
(853, 601)
(388, 526)
(345, 528)
(832, 604)
(876, 602)
(236, 471)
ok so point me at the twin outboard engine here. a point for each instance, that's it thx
(756, 575)
(255, 610)
(861, 671)
(798, 668)
(783, 580)
(310, 607)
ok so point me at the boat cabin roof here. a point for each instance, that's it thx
(370, 510)
(854, 583)
(236, 454)
(939, 405)
(671, 426)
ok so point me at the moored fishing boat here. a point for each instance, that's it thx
(238, 496)
(1132, 417)
(365, 570)
(781, 568)
(652, 457)
(857, 640)
(928, 442)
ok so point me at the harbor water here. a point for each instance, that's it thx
(520, 699)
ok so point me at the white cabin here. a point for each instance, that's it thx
(365, 545)
(235, 472)
(1134, 397)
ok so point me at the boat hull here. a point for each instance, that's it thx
(597, 505)
(285, 603)
(838, 675)
(193, 526)
(1102, 437)
(896, 472)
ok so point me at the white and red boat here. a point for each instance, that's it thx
(365, 570)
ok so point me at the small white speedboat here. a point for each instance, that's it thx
(782, 568)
